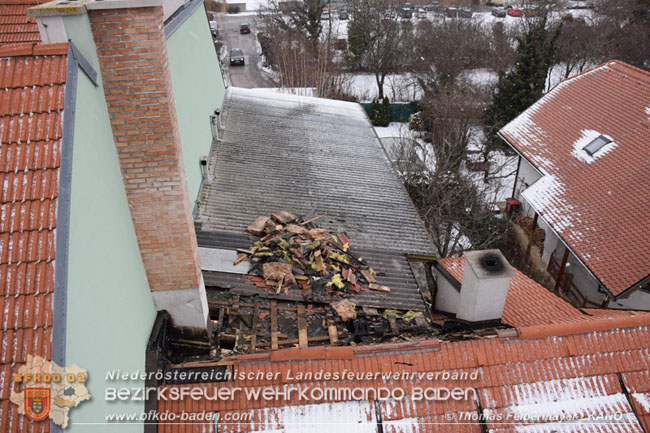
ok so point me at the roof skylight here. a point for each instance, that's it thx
(597, 144)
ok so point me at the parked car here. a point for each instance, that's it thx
(343, 15)
(406, 13)
(531, 11)
(213, 29)
(244, 28)
(432, 7)
(515, 12)
(580, 5)
(237, 57)
(459, 13)
(499, 12)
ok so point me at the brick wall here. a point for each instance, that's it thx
(132, 51)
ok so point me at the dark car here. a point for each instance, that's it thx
(237, 57)
(244, 28)
(499, 12)
(343, 15)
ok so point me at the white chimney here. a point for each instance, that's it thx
(486, 278)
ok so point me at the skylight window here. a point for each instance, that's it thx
(596, 145)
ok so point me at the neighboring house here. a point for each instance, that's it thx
(100, 166)
(563, 369)
(584, 157)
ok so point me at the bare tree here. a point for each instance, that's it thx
(444, 50)
(376, 40)
(624, 28)
(454, 202)
(298, 49)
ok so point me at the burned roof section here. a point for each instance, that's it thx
(309, 156)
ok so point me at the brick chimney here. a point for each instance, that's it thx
(132, 51)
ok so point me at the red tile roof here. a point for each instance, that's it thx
(530, 307)
(31, 112)
(597, 205)
(15, 25)
(558, 362)
(571, 376)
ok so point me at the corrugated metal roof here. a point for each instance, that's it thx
(312, 156)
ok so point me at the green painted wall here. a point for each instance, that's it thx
(110, 310)
(198, 90)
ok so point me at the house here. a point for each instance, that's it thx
(102, 134)
(583, 157)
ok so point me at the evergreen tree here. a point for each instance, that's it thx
(385, 112)
(520, 88)
(375, 109)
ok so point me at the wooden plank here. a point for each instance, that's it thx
(393, 325)
(304, 223)
(291, 342)
(531, 238)
(379, 288)
(274, 324)
(303, 339)
(256, 312)
(240, 259)
(560, 274)
(222, 311)
(333, 334)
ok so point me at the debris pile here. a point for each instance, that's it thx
(295, 253)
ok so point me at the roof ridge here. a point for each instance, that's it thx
(34, 49)
(614, 64)
(584, 327)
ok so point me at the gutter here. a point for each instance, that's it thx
(181, 15)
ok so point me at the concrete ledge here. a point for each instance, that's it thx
(188, 308)
(58, 8)
(122, 4)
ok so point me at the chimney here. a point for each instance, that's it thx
(486, 278)
(132, 50)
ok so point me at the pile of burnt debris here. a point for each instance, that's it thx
(293, 254)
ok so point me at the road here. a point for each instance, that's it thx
(249, 75)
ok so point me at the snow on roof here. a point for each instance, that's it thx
(593, 201)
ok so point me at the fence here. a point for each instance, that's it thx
(399, 112)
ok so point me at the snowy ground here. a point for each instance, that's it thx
(398, 88)
(497, 189)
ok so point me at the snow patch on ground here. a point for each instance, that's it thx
(394, 130)
(589, 135)
(398, 87)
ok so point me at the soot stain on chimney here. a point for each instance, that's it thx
(492, 263)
